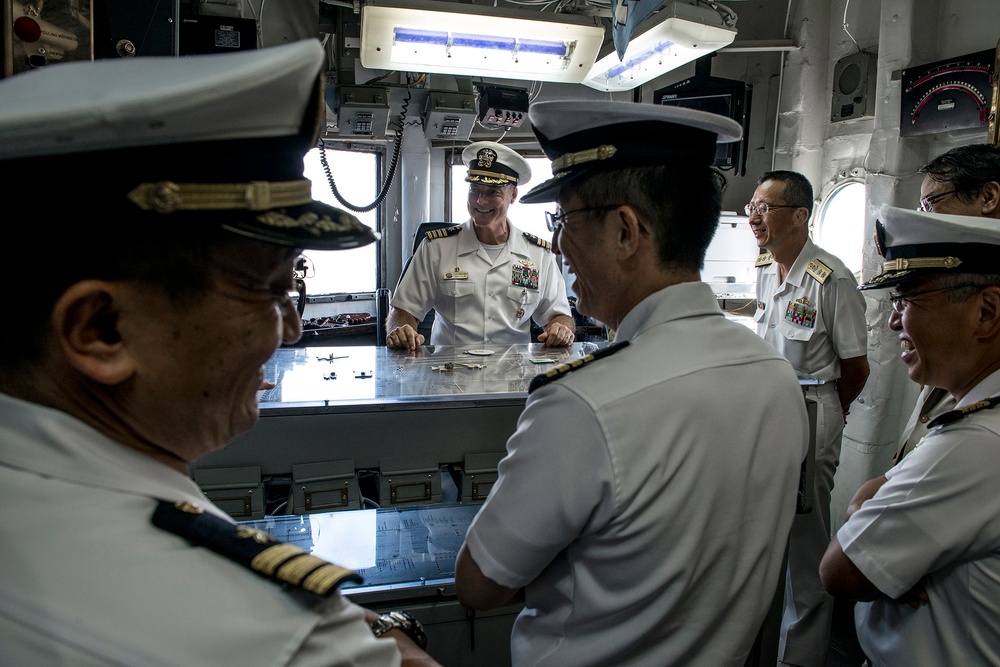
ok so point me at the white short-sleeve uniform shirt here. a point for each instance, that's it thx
(816, 317)
(646, 497)
(938, 516)
(479, 300)
(87, 579)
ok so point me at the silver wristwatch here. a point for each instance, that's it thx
(403, 621)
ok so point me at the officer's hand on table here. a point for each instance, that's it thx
(557, 334)
(404, 337)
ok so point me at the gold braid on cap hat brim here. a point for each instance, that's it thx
(491, 177)
(568, 160)
(169, 197)
(269, 197)
(922, 263)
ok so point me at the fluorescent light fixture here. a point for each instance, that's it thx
(679, 34)
(453, 38)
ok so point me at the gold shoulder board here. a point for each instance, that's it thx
(819, 271)
(763, 259)
(541, 243)
(443, 232)
(955, 415)
(572, 365)
(252, 548)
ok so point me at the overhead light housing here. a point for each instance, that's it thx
(462, 39)
(678, 34)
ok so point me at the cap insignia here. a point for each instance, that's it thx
(764, 259)
(485, 157)
(571, 159)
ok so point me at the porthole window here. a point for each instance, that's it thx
(840, 224)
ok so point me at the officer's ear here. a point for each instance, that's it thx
(85, 321)
(989, 315)
(629, 229)
(991, 199)
(801, 215)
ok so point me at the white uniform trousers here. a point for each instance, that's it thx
(808, 614)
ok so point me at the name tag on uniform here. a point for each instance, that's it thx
(457, 274)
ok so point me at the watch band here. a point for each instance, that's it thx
(403, 621)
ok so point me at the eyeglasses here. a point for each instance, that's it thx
(899, 301)
(555, 220)
(927, 203)
(762, 208)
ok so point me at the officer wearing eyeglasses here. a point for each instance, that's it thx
(485, 279)
(809, 308)
(647, 493)
(963, 181)
(920, 548)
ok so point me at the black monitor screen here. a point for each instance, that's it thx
(725, 97)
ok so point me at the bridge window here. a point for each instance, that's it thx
(357, 179)
(840, 223)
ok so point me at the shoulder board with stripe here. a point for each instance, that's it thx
(443, 232)
(954, 415)
(763, 259)
(541, 243)
(819, 271)
(261, 552)
(557, 372)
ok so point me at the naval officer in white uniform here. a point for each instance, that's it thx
(645, 527)
(139, 347)
(809, 309)
(485, 279)
(920, 549)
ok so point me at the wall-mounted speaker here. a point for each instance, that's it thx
(853, 87)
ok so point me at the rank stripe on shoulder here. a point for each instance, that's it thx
(541, 243)
(562, 369)
(252, 548)
(443, 232)
(954, 415)
(818, 270)
(764, 259)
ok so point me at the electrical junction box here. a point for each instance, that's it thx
(449, 115)
(502, 108)
(362, 111)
